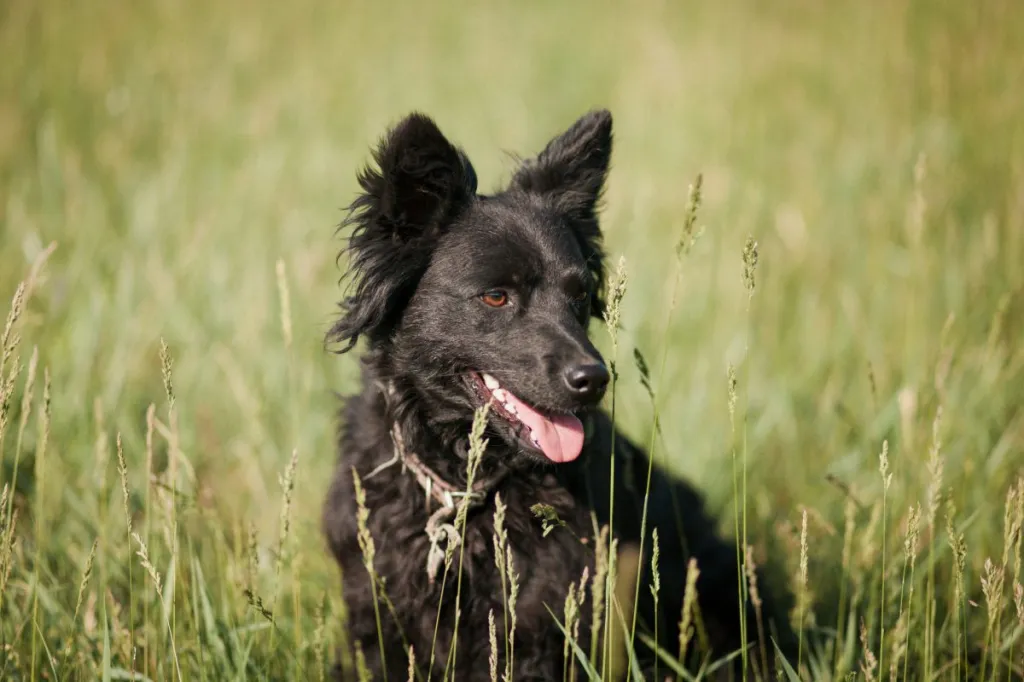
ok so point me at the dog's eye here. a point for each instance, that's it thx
(496, 298)
(580, 298)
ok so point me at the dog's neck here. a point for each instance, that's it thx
(431, 447)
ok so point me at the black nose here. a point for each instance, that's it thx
(587, 382)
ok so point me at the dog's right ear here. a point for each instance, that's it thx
(570, 175)
(420, 184)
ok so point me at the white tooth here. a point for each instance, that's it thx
(499, 393)
(490, 382)
(510, 408)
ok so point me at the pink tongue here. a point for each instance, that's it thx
(560, 436)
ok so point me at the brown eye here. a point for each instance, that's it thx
(495, 298)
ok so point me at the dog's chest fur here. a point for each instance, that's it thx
(412, 602)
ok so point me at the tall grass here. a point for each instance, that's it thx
(168, 181)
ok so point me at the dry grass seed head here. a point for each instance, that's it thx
(800, 611)
(992, 588)
(869, 663)
(513, 598)
(364, 537)
(613, 309)
(6, 391)
(143, 554)
(166, 365)
(750, 568)
(252, 557)
(691, 233)
(1019, 550)
(122, 470)
(287, 482)
(1013, 523)
(574, 601)
(935, 467)
(912, 537)
(731, 373)
(689, 603)
(500, 536)
(597, 587)
(492, 639)
(655, 577)
(7, 539)
(9, 340)
(883, 465)
(477, 448)
(912, 540)
(3, 515)
(872, 384)
(750, 258)
(803, 549)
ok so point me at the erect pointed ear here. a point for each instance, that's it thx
(572, 168)
(419, 185)
(423, 179)
(570, 174)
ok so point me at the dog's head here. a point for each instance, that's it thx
(470, 298)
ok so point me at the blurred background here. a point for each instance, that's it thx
(191, 161)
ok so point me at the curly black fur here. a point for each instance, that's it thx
(425, 246)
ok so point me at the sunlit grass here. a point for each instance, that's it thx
(173, 172)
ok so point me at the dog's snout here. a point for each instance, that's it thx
(587, 381)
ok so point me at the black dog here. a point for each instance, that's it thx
(466, 299)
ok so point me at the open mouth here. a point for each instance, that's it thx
(558, 436)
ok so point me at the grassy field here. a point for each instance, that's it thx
(175, 171)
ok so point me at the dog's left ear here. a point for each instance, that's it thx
(570, 174)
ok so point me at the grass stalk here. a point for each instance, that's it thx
(122, 470)
(40, 463)
(883, 468)
(612, 319)
(935, 472)
(477, 447)
(686, 242)
(147, 526)
(750, 261)
(369, 551)
(802, 596)
(910, 548)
